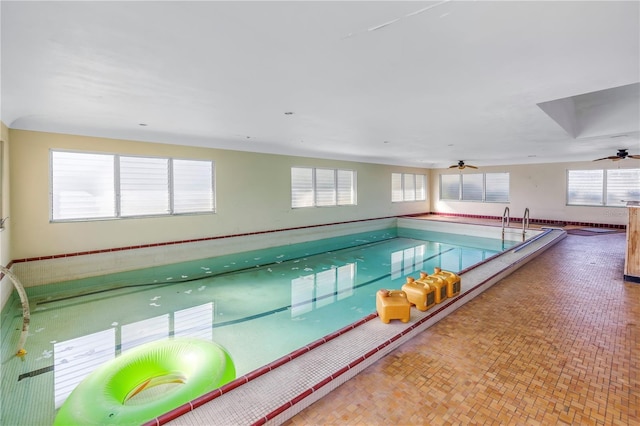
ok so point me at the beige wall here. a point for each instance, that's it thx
(541, 188)
(253, 194)
(6, 286)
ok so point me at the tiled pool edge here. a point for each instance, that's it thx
(41, 271)
(243, 400)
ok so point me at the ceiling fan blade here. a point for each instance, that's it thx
(637, 157)
(613, 157)
(471, 167)
(454, 166)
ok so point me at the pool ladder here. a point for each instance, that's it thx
(506, 219)
(525, 223)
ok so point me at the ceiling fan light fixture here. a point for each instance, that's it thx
(461, 166)
(622, 154)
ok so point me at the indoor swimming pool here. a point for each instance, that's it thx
(259, 305)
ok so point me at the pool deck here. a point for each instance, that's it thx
(278, 392)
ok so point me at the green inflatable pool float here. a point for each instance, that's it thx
(197, 365)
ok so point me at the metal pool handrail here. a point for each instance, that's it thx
(525, 222)
(26, 316)
(505, 215)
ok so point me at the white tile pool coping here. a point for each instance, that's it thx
(278, 391)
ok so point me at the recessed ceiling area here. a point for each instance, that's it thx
(405, 83)
(612, 112)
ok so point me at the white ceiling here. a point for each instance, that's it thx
(407, 83)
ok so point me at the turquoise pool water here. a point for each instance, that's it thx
(259, 305)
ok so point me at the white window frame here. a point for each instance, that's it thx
(206, 205)
(458, 195)
(408, 187)
(461, 192)
(340, 192)
(601, 188)
(472, 187)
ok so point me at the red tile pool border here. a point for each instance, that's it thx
(195, 240)
(415, 215)
(550, 222)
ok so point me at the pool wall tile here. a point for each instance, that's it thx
(54, 268)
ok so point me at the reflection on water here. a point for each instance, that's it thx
(314, 291)
(74, 359)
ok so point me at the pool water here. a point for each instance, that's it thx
(259, 305)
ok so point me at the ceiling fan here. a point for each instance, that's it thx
(621, 155)
(461, 165)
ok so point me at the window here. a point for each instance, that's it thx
(584, 187)
(193, 186)
(311, 187)
(82, 186)
(450, 187)
(622, 185)
(483, 187)
(87, 186)
(496, 187)
(346, 185)
(144, 186)
(611, 188)
(472, 186)
(408, 187)
(326, 187)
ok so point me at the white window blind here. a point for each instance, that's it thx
(585, 187)
(496, 187)
(82, 186)
(192, 186)
(396, 187)
(144, 186)
(450, 187)
(472, 187)
(301, 187)
(311, 187)
(421, 187)
(622, 185)
(346, 188)
(87, 186)
(485, 187)
(325, 187)
(409, 190)
(408, 187)
(611, 188)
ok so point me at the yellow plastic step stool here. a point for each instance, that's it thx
(422, 295)
(453, 281)
(393, 304)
